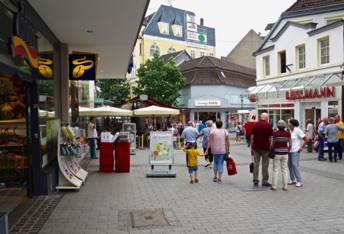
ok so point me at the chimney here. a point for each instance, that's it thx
(201, 21)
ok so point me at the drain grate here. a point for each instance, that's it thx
(153, 218)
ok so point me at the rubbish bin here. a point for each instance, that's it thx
(122, 156)
(106, 157)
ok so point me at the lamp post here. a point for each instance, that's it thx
(242, 101)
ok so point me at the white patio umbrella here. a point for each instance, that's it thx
(105, 111)
(156, 111)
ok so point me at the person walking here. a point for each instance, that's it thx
(261, 138)
(331, 131)
(248, 129)
(193, 154)
(299, 141)
(92, 136)
(309, 131)
(205, 133)
(322, 139)
(282, 144)
(340, 137)
(238, 132)
(189, 135)
(201, 125)
(219, 144)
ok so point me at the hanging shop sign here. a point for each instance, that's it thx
(208, 103)
(82, 67)
(45, 65)
(24, 41)
(310, 93)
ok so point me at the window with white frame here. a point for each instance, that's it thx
(266, 64)
(282, 62)
(211, 54)
(301, 57)
(171, 50)
(201, 53)
(154, 48)
(193, 54)
(324, 48)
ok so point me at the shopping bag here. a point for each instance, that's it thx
(251, 167)
(231, 167)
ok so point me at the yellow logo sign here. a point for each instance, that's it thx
(79, 70)
(43, 67)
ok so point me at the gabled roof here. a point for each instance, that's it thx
(311, 4)
(304, 8)
(174, 55)
(211, 70)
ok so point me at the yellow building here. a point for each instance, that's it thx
(169, 30)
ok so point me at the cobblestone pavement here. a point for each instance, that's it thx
(109, 202)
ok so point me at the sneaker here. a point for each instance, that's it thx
(219, 181)
(207, 164)
(211, 167)
(191, 181)
(273, 188)
(284, 189)
(215, 179)
(266, 184)
(255, 183)
(291, 182)
(196, 180)
(298, 184)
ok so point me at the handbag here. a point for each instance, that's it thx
(231, 167)
(272, 153)
(226, 157)
(251, 167)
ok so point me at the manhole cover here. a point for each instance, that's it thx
(152, 218)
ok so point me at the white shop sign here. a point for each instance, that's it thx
(208, 103)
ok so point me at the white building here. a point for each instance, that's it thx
(300, 63)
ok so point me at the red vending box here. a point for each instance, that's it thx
(122, 156)
(106, 157)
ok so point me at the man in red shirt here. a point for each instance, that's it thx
(248, 129)
(261, 139)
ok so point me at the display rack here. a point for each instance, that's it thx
(71, 175)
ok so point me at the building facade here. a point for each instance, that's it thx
(170, 30)
(213, 89)
(300, 63)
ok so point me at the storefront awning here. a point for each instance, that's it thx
(278, 89)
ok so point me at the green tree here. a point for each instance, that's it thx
(160, 81)
(116, 90)
(46, 87)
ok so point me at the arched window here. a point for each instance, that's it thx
(171, 50)
(154, 48)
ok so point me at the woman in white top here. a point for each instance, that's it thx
(299, 140)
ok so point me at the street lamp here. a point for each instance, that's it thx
(242, 101)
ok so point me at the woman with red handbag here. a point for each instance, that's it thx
(219, 144)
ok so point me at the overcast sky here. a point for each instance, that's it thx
(231, 19)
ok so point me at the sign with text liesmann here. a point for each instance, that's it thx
(208, 103)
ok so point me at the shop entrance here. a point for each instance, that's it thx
(314, 114)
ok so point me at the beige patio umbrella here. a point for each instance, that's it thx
(105, 111)
(156, 111)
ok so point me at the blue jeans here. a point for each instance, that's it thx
(248, 139)
(218, 162)
(93, 148)
(321, 147)
(335, 150)
(293, 165)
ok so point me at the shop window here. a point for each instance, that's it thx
(266, 64)
(324, 48)
(282, 62)
(301, 57)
